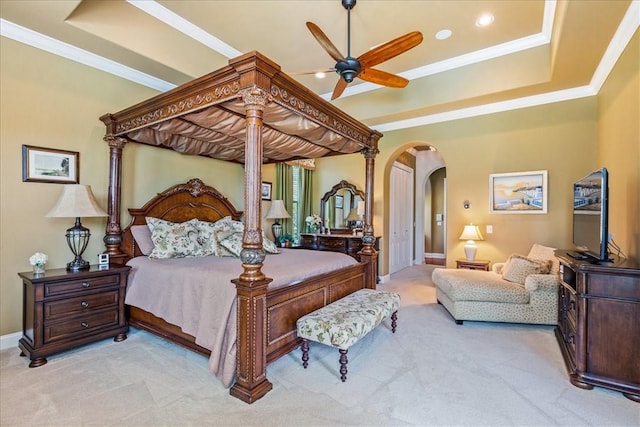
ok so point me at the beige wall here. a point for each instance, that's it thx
(49, 101)
(619, 147)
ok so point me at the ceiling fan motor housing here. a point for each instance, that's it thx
(348, 68)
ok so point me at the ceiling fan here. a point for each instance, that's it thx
(348, 68)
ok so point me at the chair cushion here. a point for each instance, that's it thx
(518, 267)
(343, 322)
(542, 252)
(476, 285)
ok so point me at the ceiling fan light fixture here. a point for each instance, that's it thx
(484, 20)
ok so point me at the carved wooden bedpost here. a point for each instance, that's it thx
(368, 252)
(251, 370)
(113, 233)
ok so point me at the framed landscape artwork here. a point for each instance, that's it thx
(518, 192)
(40, 164)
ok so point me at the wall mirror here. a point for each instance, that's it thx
(341, 206)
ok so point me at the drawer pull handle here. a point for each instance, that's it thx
(84, 304)
(84, 324)
(85, 284)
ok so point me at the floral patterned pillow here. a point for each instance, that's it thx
(173, 240)
(228, 237)
(518, 267)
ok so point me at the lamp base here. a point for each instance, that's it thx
(78, 264)
(276, 229)
(470, 250)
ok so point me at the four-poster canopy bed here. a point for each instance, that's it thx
(251, 113)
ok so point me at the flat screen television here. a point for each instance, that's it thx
(591, 216)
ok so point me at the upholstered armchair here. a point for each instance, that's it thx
(520, 290)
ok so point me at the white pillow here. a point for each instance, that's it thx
(541, 252)
(142, 236)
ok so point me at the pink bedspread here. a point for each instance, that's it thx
(197, 294)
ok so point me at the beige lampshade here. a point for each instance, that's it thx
(76, 201)
(471, 232)
(277, 210)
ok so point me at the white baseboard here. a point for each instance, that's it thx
(9, 340)
(434, 255)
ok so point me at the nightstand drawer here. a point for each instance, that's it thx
(82, 324)
(60, 288)
(71, 306)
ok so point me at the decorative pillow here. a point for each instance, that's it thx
(173, 240)
(541, 252)
(206, 237)
(228, 238)
(142, 236)
(518, 267)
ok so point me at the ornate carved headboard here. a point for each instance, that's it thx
(179, 203)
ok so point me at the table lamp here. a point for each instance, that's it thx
(470, 234)
(77, 201)
(277, 211)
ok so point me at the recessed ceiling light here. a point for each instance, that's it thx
(484, 20)
(320, 75)
(443, 34)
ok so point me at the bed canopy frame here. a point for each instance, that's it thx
(247, 112)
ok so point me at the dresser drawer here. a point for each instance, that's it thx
(328, 243)
(80, 325)
(72, 306)
(60, 288)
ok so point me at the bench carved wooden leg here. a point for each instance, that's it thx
(305, 353)
(343, 364)
(394, 321)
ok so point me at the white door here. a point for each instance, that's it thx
(400, 217)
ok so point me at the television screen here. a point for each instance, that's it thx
(590, 215)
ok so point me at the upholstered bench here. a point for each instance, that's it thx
(342, 323)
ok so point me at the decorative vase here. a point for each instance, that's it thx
(38, 269)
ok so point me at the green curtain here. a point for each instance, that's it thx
(284, 192)
(306, 204)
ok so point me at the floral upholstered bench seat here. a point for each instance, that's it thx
(342, 323)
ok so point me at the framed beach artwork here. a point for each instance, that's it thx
(518, 192)
(40, 164)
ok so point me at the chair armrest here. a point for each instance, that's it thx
(497, 267)
(542, 283)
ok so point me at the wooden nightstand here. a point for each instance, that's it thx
(63, 310)
(478, 264)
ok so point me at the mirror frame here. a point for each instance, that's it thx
(342, 185)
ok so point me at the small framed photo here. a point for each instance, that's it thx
(339, 202)
(266, 190)
(40, 164)
(518, 193)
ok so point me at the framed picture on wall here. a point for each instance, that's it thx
(40, 164)
(266, 190)
(518, 192)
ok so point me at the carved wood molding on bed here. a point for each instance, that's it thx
(248, 112)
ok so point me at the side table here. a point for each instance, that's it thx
(478, 264)
(63, 310)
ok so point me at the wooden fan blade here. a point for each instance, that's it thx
(390, 49)
(324, 41)
(340, 87)
(383, 78)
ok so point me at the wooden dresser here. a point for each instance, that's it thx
(62, 310)
(346, 243)
(599, 324)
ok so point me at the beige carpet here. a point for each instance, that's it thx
(432, 372)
